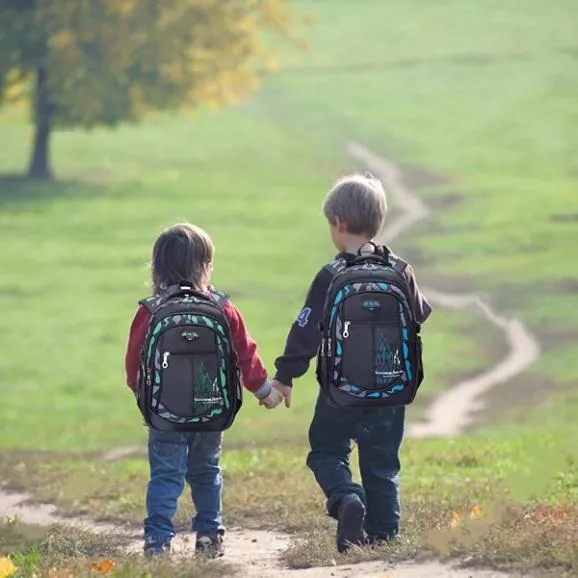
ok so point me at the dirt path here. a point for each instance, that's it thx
(257, 552)
(453, 410)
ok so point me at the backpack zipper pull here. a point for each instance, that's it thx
(166, 359)
(346, 329)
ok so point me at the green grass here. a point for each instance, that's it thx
(481, 95)
(498, 128)
(77, 265)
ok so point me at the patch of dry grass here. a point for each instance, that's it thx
(528, 515)
(66, 552)
(537, 539)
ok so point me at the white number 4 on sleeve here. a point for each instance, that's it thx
(303, 317)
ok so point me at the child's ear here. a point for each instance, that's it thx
(340, 225)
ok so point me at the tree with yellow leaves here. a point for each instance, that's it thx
(80, 63)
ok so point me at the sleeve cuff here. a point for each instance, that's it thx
(264, 390)
(284, 379)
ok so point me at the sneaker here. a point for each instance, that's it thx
(209, 545)
(156, 548)
(350, 522)
(379, 539)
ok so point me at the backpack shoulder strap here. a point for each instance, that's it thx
(218, 297)
(337, 266)
(397, 263)
(151, 304)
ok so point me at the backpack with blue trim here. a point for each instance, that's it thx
(371, 352)
(189, 377)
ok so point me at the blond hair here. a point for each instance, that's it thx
(181, 253)
(358, 201)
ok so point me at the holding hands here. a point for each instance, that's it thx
(272, 399)
(284, 390)
(278, 393)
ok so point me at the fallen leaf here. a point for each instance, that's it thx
(456, 519)
(104, 566)
(554, 514)
(7, 567)
(107, 566)
(476, 511)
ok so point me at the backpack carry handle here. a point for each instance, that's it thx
(183, 288)
(380, 255)
(375, 247)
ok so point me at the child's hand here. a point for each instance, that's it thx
(284, 390)
(272, 400)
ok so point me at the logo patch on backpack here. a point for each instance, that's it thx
(370, 305)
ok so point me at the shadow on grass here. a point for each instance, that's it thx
(19, 190)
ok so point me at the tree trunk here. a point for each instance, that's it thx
(40, 162)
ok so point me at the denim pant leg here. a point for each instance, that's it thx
(379, 436)
(204, 477)
(330, 437)
(167, 453)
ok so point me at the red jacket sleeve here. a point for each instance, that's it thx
(136, 339)
(252, 370)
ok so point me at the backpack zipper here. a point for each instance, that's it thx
(346, 329)
(166, 359)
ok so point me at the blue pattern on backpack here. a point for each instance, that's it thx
(408, 375)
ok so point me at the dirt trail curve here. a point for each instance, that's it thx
(257, 552)
(454, 409)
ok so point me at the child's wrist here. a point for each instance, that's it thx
(264, 390)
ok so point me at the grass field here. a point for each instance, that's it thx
(78, 252)
(480, 95)
(483, 98)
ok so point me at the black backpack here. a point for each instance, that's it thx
(189, 377)
(371, 352)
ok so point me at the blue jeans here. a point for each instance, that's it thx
(378, 433)
(176, 457)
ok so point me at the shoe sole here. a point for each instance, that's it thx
(210, 551)
(155, 553)
(350, 526)
(209, 555)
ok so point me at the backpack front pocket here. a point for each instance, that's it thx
(190, 384)
(372, 356)
(178, 377)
